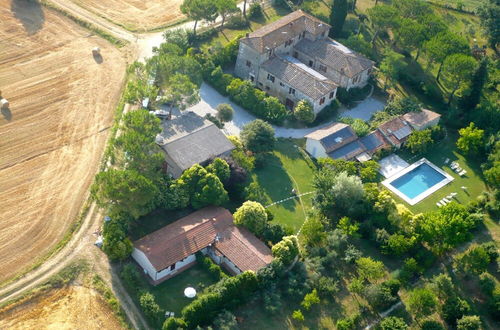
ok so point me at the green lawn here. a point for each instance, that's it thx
(437, 155)
(287, 168)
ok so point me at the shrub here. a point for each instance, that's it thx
(298, 316)
(310, 299)
(130, 276)
(214, 120)
(487, 283)
(150, 307)
(251, 215)
(255, 11)
(236, 22)
(174, 323)
(393, 323)
(379, 297)
(345, 324)
(432, 325)
(225, 112)
(286, 250)
(258, 136)
(304, 112)
(472, 322)
(211, 267)
(453, 309)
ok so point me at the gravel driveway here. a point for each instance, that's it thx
(210, 99)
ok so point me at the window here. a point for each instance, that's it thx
(249, 64)
(267, 88)
(260, 84)
(311, 63)
(332, 94)
(270, 77)
(288, 42)
(282, 84)
(252, 77)
(270, 52)
(303, 34)
(295, 54)
(322, 68)
(321, 101)
(291, 91)
(172, 267)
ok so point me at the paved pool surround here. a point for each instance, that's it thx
(408, 183)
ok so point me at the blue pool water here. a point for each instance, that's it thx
(418, 180)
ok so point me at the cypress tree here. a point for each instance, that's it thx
(473, 96)
(337, 17)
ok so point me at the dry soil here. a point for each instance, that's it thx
(136, 15)
(62, 101)
(74, 307)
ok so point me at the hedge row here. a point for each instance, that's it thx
(210, 266)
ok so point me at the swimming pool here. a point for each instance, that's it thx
(417, 181)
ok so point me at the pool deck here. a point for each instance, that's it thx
(412, 201)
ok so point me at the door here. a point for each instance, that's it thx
(289, 104)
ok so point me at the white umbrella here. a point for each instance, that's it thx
(190, 292)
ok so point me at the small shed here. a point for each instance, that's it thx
(4, 104)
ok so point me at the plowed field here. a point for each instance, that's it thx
(136, 15)
(62, 101)
(74, 307)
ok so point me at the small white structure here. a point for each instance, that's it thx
(4, 104)
(190, 292)
(391, 165)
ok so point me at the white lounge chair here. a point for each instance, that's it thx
(458, 169)
(438, 204)
(462, 173)
(454, 166)
(446, 160)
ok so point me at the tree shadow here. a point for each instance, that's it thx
(30, 13)
(275, 181)
(98, 58)
(7, 114)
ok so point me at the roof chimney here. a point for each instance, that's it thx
(248, 35)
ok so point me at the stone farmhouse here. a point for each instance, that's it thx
(190, 139)
(294, 59)
(339, 141)
(211, 231)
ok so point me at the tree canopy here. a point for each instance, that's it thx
(258, 136)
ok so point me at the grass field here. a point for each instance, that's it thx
(437, 155)
(287, 168)
(62, 101)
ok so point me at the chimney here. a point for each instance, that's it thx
(248, 35)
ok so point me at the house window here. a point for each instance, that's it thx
(332, 94)
(249, 64)
(270, 77)
(321, 101)
(252, 77)
(172, 267)
(260, 84)
(270, 52)
(282, 84)
(267, 88)
(311, 63)
(288, 42)
(303, 34)
(291, 91)
(322, 68)
(295, 54)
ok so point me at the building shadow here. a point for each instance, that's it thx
(30, 13)
(7, 114)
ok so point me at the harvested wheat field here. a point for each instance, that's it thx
(73, 307)
(136, 15)
(62, 102)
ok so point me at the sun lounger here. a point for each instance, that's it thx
(446, 160)
(462, 173)
(454, 193)
(454, 166)
(458, 169)
(446, 200)
(438, 204)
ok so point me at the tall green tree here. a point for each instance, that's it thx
(444, 44)
(419, 141)
(251, 215)
(181, 92)
(391, 66)
(304, 112)
(258, 136)
(473, 95)
(209, 191)
(337, 17)
(224, 8)
(382, 17)
(471, 139)
(198, 10)
(489, 12)
(422, 302)
(411, 35)
(457, 72)
(125, 191)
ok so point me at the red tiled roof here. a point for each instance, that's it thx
(391, 127)
(420, 118)
(198, 230)
(244, 250)
(184, 237)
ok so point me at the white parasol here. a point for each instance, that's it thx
(190, 292)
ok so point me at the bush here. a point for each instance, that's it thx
(255, 11)
(304, 112)
(286, 250)
(379, 297)
(298, 316)
(236, 22)
(392, 323)
(130, 276)
(225, 112)
(310, 299)
(258, 136)
(210, 266)
(214, 120)
(472, 322)
(150, 308)
(349, 97)
(174, 323)
(453, 310)
(432, 325)
(251, 215)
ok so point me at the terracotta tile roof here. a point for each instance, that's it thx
(198, 230)
(396, 130)
(244, 250)
(334, 137)
(184, 237)
(276, 33)
(335, 56)
(299, 76)
(420, 118)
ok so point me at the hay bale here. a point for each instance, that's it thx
(96, 50)
(4, 104)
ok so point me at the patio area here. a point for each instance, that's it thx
(392, 165)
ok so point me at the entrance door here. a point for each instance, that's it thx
(289, 104)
